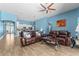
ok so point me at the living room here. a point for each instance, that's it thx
(30, 29)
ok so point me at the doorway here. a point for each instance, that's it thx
(9, 33)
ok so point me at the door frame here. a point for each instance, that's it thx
(4, 24)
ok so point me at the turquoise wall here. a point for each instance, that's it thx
(1, 28)
(25, 21)
(71, 21)
(42, 23)
(4, 16)
(8, 16)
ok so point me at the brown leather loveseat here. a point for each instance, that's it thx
(62, 36)
(27, 41)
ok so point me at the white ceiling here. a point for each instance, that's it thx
(30, 11)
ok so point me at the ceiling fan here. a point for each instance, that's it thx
(48, 8)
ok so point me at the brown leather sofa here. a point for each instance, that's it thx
(62, 36)
(28, 41)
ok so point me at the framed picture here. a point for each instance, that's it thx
(61, 23)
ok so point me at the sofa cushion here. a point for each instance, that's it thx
(33, 33)
(27, 35)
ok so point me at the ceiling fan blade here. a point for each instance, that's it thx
(46, 11)
(51, 9)
(42, 10)
(50, 5)
(43, 6)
